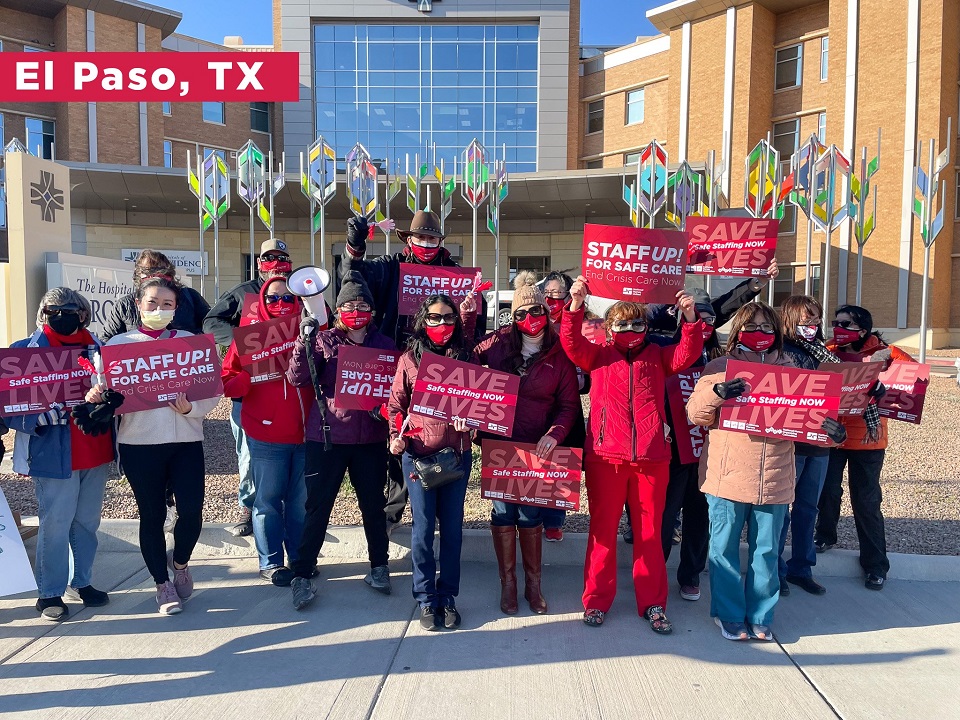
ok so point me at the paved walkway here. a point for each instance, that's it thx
(240, 650)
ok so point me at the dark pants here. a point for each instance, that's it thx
(396, 490)
(865, 497)
(683, 493)
(800, 518)
(149, 469)
(324, 475)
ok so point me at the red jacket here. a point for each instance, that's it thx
(627, 416)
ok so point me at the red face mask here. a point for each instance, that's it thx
(280, 309)
(424, 254)
(275, 266)
(531, 325)
(757, 341)
(440, 334)
(845, 336)
(356, 319)
(707, 333)
(555, 305)
(625, 341)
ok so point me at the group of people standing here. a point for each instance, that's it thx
(295, 445)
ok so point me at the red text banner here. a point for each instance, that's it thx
(250, 314)
(634, 264)
(858, 378)
(364, 377)
(782, 402)
(448, 389)
(594, 331)
(33, 379)
(906, 384)
(265, 347)
(731, 246)
(514, 473)
(689, 435)
(418, 282)
(150, 374)
(149, 77)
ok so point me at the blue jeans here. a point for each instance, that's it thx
(525, 516)
(279, 507)
(553, 519)
(69, 512)
(247, 488)
(730, 600)
(444, 505)
(811, 472)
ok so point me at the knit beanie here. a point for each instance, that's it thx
(353, 288)
(525, 291)
(701, 300)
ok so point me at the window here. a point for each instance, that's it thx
(260, 117)
(956, 194)
(786, 139)
(595, 117)
(593, 164)
(783, 285)
(822, 127)
(167, 108)
(539, 264)
(33, 48)
(167, 153)
(789, 69)
(824, 53)
(635, 106)
(631, 159)
(213, 112)
(213, 151)
(40, 137)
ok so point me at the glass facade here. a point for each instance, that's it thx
(400, 89)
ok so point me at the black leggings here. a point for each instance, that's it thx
(149, 469)
(324, 475)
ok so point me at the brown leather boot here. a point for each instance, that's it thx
(505, 545)
(531, 550)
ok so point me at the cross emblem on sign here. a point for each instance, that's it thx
(46, 196)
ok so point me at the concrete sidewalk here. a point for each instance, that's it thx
(240, 650)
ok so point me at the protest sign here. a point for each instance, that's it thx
(858, 378)
(634, 264)
(731, 246)
(265, 347)
(782, 402)
(150, 374)
(514, 473)
(250, 314)
(16, 575)
(33, 379)
(448, 389)
(418, 282)
(364, 377)
(689, 435)
(906, 384)
(594, 331)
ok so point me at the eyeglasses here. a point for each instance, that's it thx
(58, 311)
(434, 319)
(709, 319)
(271, 299)
(273, 257)
(629, 326)
(762, 327)
(355, 307)
(845, 324)
(557, 294)
(536, 311)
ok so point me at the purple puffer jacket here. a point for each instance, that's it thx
(347, 427)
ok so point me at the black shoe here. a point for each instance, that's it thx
(429, 618)
(784, 587)
(807, 583)
(874, 582)
(628, 536)
(52, 609)
(279, 576)
(822, 547)
(89, 595)
(244, 527)
(451, 618)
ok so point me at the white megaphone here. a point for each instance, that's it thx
(308, 283)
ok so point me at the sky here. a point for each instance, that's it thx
(602, 22)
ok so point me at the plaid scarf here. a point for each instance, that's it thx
(871, 415)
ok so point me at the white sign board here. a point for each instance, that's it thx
(186, 261)
(16, 575)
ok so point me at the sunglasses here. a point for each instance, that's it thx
(845, 324)
(349, 307)
(272, 257)
(762, 327)
(435, 319)
(535, 311)
(271, 299)
(58, 311)
(629, 326)
(709, 319)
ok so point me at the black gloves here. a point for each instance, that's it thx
(878, 390)
(357, 232)
(308, 326)
(834, 430)
(97, 418)
(730, 389)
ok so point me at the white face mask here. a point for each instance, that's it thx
(156, 319)
(807, 332)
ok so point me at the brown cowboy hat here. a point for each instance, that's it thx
(425, 222)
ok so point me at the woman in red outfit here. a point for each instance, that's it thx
(627, 453)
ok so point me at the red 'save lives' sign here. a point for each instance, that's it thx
(448, 389)
(858, 378)
(265, 347)
(514, 473)
(33, 379)
(782, 402)
(634, 264)
(906, 384)
(250, 314)
(150, 374)
(689, 435)
(418, 282)
(731, 246)
(364, 377)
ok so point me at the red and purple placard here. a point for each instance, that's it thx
(906, 384)
(634, 264)
(514, 473)
(33, 379)
(150, 374)
(858, 378)
(782, 402)
(364, 377)
(265, 347)
(250, 314)
(418, 282)
(731, 246)
(689, 436)
(448, 389)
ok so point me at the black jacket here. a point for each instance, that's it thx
(191, 310)
(724, 307)
(225, 315)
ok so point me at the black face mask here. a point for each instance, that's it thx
(64, 324)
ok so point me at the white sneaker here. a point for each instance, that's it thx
(168, 602)
(171, 522)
